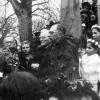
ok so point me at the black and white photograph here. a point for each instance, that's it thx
(49, 49)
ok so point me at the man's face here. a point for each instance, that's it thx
(44, 37)
(26, 48)
(10, 42)
(54, 32)
(96, 34)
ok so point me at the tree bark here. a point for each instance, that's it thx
(98, 9)
(70, 17)
(23, 10)
(71, 21)
(25, 27)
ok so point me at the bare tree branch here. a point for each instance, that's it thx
(7, 20)
(5, 4)
(41, 9)
(15, 4)
(40, 16)
(40, 3)
(35, 10)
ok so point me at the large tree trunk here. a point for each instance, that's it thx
(98, 9)
(70, 17)
(71, 21)
(23, 11)
(25, 27)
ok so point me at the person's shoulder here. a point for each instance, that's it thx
(95, 57)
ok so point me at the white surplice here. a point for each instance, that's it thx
(89, 68)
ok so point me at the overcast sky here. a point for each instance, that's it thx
(9, 9)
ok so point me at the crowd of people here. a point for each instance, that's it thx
(24, 75)
(89, 58)
(19, 65)
(36, 73)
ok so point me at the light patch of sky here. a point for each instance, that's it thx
(9, 10)
(54, 4)
(5, 10)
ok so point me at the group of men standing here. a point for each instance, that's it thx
(50, 63)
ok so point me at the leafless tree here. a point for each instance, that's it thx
(6, 24)
(26, 9)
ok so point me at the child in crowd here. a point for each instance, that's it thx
(96, 32)
(89, 64)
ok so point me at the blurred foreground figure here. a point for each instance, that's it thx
(20, 86)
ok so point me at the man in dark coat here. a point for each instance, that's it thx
(58, 59)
